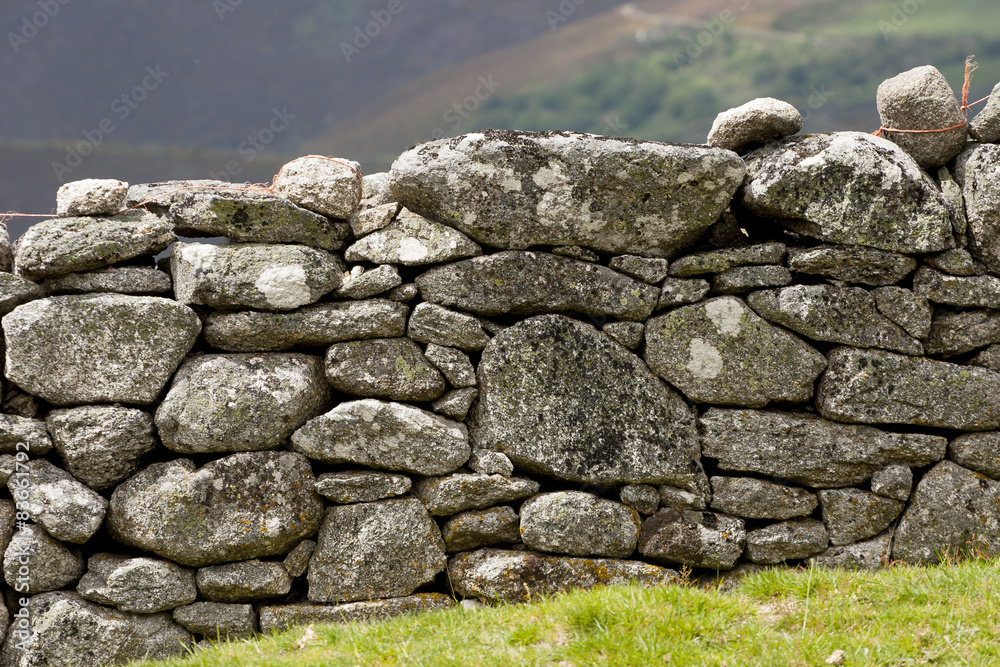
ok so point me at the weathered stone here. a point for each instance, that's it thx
(742, 279)
(875, 387)
(528, 283)
(101, 445)
(297, 561)
(490, 463)
(15, 291)
(789, 540)
(31, 433)
(50, 565)
(404, 293)
(209, 516)
(647, 269)
(628, 334)
(68, 630)
(965, 292)
(679, 291)
(607, 422)
(579, 524)
(360, 486)
(759, 499)
(869, 555)
(809, 450)
(908, 310)
(977, 451)
(957, 333)
(91, 196)
(413, 240)
(241, 402)
(18, 403)
(921, 99)
(894, 481)
(375, 550)
(845, 315)
(100, 348)
(643, 498)
(331, 186)
(368, 220)
(390, 368)
(392, 436)
(850, 188)
(576, 252)
(518, 576)
(8, 510)
(218, 621)
(453, 364)
(455, 404)
(65, 508)
(985, 127)
(988, 358)
(277, 618)
(6, 251)
(431, 323)
(513, 190)
(123, 280)
(681, 499)
(957, 262)
(720, 351)
(853, 264)
(977, 169)
(852, 515)
(955, 200)
(68, 245)
(369, 283)
(266, 277)
(952, 508)
(698, 539)
(142, 585)
(245, 581)
(717, 261)
(319, 325)
(481, 528)
(376, 191)
(444, 496)
(756, 122)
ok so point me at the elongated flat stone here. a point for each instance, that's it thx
(413, 240)
(717, 261)
(698, 539)
(277, 618)
(390, 368)
(966, 292)
(579, 524)
(853, 264)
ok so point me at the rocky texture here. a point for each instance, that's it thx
(649, 270)
(809, 450)
(869, 555)
(456, 403)
(579, 524)
(216, 620)
(297, 561)
(91, 196)
(848, 188)
(895, 481)
(742, 279)
(985, 127)
(490, 463)
(529, 283)
(122, 280)
(31, 433)
(390, 368)
(717, 261)
(331, 186)
(678, 291)
(430, 323)
(368, 220)
(788, 540)
(495, 575)
(754, 123)
(443, 496)
(698, 539)
(517, 189)
(99, 348)
(241, 402)
(852, 515)
(629, 334)
(141, 585)
(610, 422)
(245, 581)
(759, 499)
(875, 387)
(15, 291)
(65, 508)
(242, 506)
(369, 283)
(412, 240)
(957, 262)
(681, 499)
(276, 618)
(977, 171)
(908, 310)
(720, 351)
(360, 486)
(977, 451)
(34, 562)
(966, 292)
(453, 364)
(643, 498)
(853, 264)
(391, 436)
(481, 528)
(957, 333)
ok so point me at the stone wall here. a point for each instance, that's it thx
(514, 364)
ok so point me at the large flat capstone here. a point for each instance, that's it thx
(97, 348)
(512, 190)
(559, 398)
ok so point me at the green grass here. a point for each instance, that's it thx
(948, 615)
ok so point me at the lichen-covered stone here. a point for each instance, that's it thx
(297, 561)
(647, 269)
(607, 422)
(490, 463)
(910, 311)
(404, 293)
(91, 196)
(245, 581)
(331, 186)
(101, 445)
(277, 618)
(430, 323)
(895, 481)
(742, 279)
(453, 364)
(513, 190)
(988, 358)
(253, 275)
(121, 280)
(807, 449)
(413, 240)
(529, 283)
(579, 524)
(957, 333)
(852, 515)
(853, 264)
(698, 539)
(97, 348)
(481, 528)
(643, 498)
(391, 436)
(849, 188)
(788, 540)
(360, 486)
(758, 121)
(717, 261)
(985, 127)
(845, 315)
(876, 387)
(965, 292)
(15, 291)
(375, 550)
(241, 402)
(977, 169)
(32, 433)
(65, 508)
(69, 245)
(319, 325)
(389, 368)
(242, 506)
(957, 262)
(576, 252)
(444, 496)
(680, 291)
(720, 351)
(141, 585)
(952, 508)
(759, 499)
(629, 334)
(50, 565)
(869, 555)
(494, 575)
(682, 499)
(977, 451)
(455, 404)
(367, 220)
(955, 200)
(369, 283)
(217, 620)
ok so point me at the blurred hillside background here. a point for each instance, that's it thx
(150, 90)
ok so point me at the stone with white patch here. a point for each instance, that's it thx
(413, 240)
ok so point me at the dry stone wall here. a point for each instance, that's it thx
(516, 363)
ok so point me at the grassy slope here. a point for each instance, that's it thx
(898, 616)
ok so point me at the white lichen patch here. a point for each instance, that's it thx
(798, 300)
(412, 250)
(726, 315)
(284, 286)
(705, 362)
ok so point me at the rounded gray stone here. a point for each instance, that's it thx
(910, 311)
(217, 620)
(759, 499)
(245, 581)
(650, 270)
(430, 323)
(50, 564)
(789, 540)
(977, 451)
(389, 368)
(412, 240)
(32, 433)
(895, 481)
(718, 261)
(758, 121)
(443, 496)
(369, 283)
(698, 539)
(15, 291)
(453, 364)
(579, 524)
(852, 515)
(985, 127)
(869, 555)
(481, 528)
(141, 585)
(643, 498)
(68, 510)
(962, 291)
(332, 187)
(957, 333)
(297, 561)
(742, 279)
(91, 196)
(455, 404)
